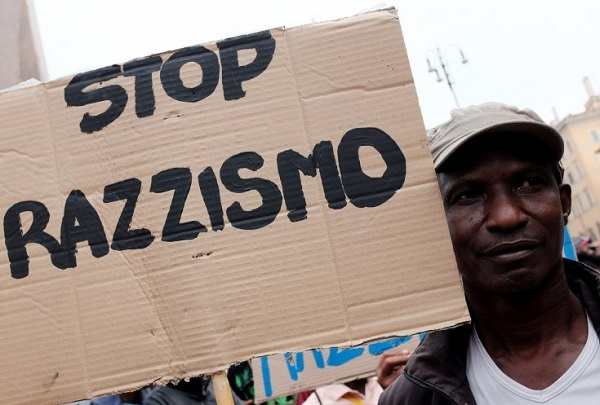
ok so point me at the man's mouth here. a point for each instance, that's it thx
(511, 250)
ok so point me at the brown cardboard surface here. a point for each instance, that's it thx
(279, 375)
(114, 319)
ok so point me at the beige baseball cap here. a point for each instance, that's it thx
(467, 123)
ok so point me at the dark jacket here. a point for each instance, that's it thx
(436, 372)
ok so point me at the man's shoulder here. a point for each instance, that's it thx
(581, 276)
(404, 392)
(436, 368)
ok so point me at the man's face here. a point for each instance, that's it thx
(506, 215)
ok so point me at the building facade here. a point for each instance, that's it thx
(581, 133)
(21, 56)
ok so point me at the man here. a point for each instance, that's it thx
(535, 317)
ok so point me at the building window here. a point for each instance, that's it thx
(569, 147)
(590, 198)
(595, 135)
(578, 170)
(579, 205)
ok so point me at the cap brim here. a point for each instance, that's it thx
(540, 131)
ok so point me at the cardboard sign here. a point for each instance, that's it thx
(284, 374)
(180, 212)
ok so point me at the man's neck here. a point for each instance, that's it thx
(524, 333)
(512, 323)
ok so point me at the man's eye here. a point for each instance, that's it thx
(467, 197)
(530, 182)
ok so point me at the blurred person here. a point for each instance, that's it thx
(241, 380)
(195, 391)
(535, 316)
(586, 251)
(302, 396)
(127, 398)
(362, 391)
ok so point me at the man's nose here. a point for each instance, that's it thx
(505, 212)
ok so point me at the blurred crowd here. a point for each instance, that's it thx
(587, 251)
(200, 391)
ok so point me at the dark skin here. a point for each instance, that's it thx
(506, 212)
(391, 364)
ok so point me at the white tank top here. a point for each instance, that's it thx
(580, 384)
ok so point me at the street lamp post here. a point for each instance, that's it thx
(443, 64)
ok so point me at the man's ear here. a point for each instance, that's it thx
(565, 201)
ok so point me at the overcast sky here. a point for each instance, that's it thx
(530, 53)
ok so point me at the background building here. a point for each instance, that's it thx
(581, 133)
(20, 48)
